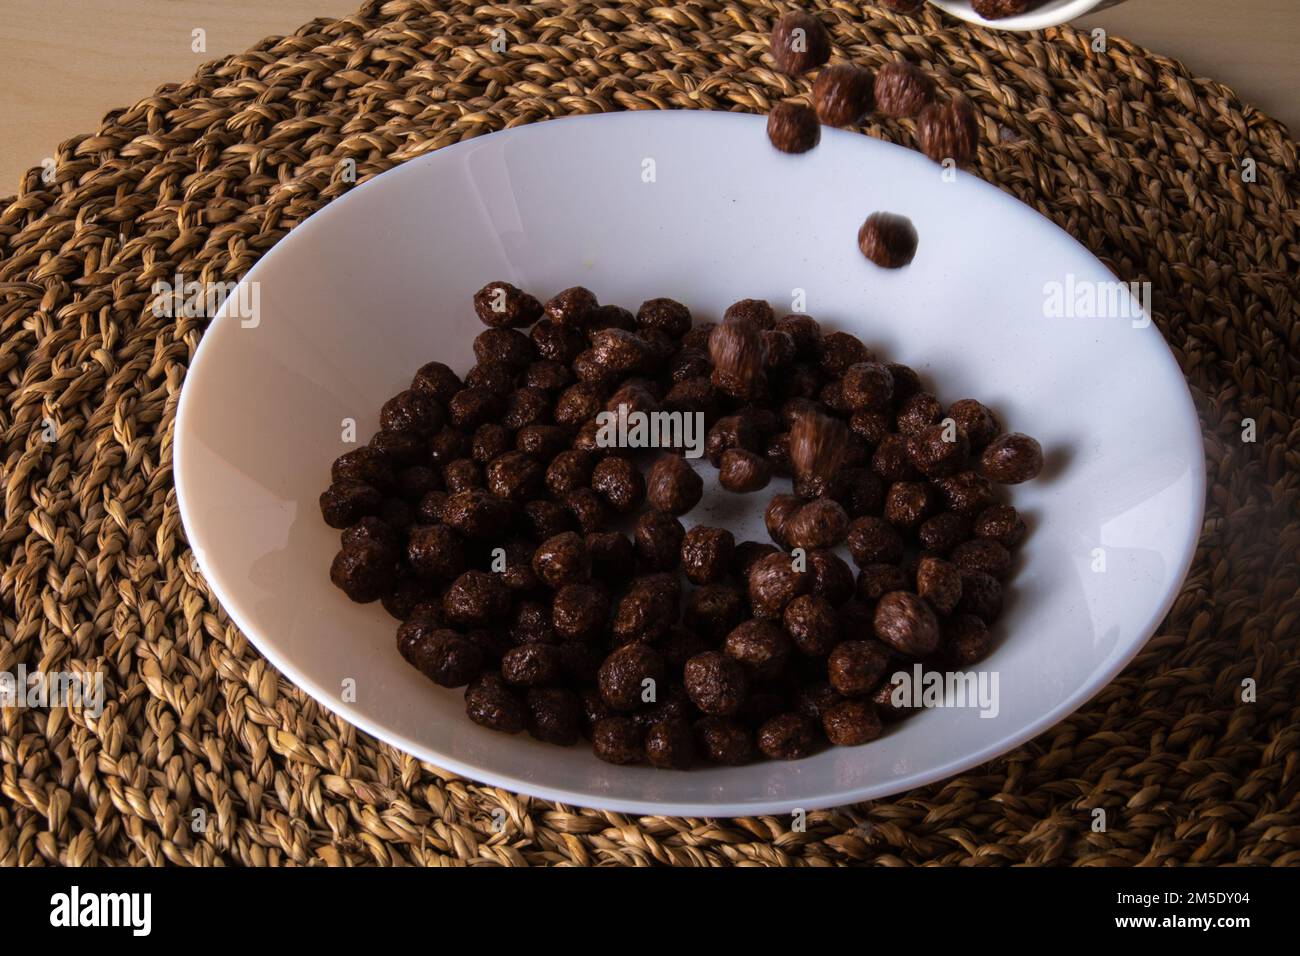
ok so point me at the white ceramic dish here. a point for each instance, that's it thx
(1048, 14)
(355, 299)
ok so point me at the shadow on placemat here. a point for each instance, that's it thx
(1126, 150)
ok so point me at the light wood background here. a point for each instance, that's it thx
(64, 63)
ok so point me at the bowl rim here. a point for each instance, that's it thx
(1030, 20)
(225, 593)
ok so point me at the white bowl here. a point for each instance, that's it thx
(1048, 14)
(380, 281)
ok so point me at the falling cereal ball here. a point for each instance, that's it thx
(903, 90)
(799, 43)
(793, 128)
(997, 9)
(949, 131)
(843, 94)
(888, 240)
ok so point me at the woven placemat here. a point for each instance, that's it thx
(1126, 150)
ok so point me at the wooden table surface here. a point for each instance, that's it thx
(64, 63)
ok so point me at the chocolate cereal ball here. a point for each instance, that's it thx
(618, 740)
(851, 722)
(902, 89)
(944, 531)
(619, 483)
(462, 475)
(476, 515)
(363, 573)
(580, 612)
(401, 448)
(981, 595)
(561, 560)
(966, 493)
(793, 127)
(550, 375)
(874, 541)
(855, 667)
(411, 411)
(811, 623)
(888, 239)
(346, 502)
(966, 640)
(713, 610)
(543, 442)
(569, 470)
(571, 307)
(435, 551)
(366, 465)
(490, 702)
(983, 554)
(500, 305)
(472, 407)
(475, 599)
(495, 377)
(674, 486)
(843, 94)
(442, 655)
(949, 131)
(658, 538)
(939, 583)
(908, 503)
(779, 510)
(799, 43)
(531, 665)
(976, 420)
(541, 519)
(437, 381)
(819, 524)
(1011, 458)
(554, 715)
(531, 624)
(907, 624)
(630, 676)
(731, 431)
(448, 445)
(761, 646)
(773, 583)
(514, 476)
(706, 554)
(670, 744)
(868, 386)
(717, 685)
(666, 315)
(1001, 523)
(724, 740)
(742, 472)
(832, 579)
(787, 736)
(877, 580)
(939, 451)
(648, 611)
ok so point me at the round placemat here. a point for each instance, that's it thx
(203, 754)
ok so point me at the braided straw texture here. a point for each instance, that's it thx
(1126, 150)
